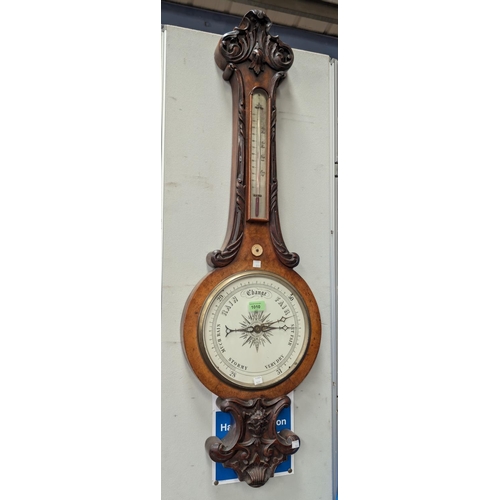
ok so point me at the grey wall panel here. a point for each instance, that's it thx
(197, 155)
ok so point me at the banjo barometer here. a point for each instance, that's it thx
(251, 328)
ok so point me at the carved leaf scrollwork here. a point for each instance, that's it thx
(253, 448)
(289, 259)
(252, 40)
(221, 258)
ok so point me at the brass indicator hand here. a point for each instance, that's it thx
(249, 329)
(264, 327)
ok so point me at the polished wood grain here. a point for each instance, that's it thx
(254, 234)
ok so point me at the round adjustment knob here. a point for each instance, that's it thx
(257, 250)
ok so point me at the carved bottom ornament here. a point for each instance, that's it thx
(253, 448)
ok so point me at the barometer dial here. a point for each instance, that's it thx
(254, 329)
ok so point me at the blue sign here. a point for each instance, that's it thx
(223, 422)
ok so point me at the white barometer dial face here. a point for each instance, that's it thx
(254, 329)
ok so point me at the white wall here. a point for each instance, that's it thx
(197, 150)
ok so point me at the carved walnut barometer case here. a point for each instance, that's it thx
(251, 328)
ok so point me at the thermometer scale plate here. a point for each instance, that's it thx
(258, 204)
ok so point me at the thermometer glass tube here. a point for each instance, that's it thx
(258, 202)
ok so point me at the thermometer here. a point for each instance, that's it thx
(259, 189)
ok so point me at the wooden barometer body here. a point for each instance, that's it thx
(251, 328)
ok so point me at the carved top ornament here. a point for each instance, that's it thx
(252, 41)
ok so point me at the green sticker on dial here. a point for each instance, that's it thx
(257, 306)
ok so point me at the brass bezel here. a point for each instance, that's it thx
(203, 319)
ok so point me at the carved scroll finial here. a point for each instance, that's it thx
(252, 41)
(253, 448)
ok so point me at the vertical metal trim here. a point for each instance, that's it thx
(163, 139)
(334, 263)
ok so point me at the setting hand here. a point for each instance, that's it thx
(282, 319)
(266, 328)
